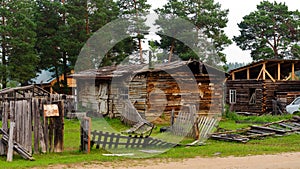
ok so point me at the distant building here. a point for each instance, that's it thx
(254, 88)
(46, 80)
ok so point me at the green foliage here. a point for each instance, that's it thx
(209, 20)
(229, 115)
(135, 11)
(270, 32)
(18, 37)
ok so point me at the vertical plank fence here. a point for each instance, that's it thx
(34, 131)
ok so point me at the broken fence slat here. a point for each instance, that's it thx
(10, 142)
(16, 146)
(277, 131)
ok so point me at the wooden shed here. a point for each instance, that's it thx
(37, 128)
(254, 87)
(154, 92)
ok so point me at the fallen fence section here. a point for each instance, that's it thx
(279, 128)
(205, 127)
(107, 140)
(16, 146)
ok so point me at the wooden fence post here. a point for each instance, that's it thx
(4, 125)
(10, 142)
(85, 135)
(59, 129)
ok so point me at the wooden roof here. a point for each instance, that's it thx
(23, 92)
(109, 72)
(274, 69)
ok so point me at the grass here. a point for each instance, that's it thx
(269, 145)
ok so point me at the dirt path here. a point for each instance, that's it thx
(278, 161)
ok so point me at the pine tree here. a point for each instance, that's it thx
(272, 31)
(18, 37)
(209, 20)
(50, 22)
(135, 11)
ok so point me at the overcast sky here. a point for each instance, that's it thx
(237, 9)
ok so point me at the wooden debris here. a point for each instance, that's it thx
(16, 146)
(108, 140)
(279, 128)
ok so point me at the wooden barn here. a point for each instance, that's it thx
(155, 91)
(256, 87)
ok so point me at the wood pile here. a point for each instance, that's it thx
(279, 128)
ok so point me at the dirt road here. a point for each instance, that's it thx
(278, 161)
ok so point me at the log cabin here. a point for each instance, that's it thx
(154, 91)
(254, 87)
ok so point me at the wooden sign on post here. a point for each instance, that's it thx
(51, 110)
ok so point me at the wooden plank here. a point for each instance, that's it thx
(293, 71)
(59, 129)
(36, 121)
(27, 124)
(10, 142)
(42, 139)
(4, 125)
(248, 74)
(16, 146)
(29, 127)
(51, 132)
(277, 131)
(45, 125)
(278, 71)
(270, 76)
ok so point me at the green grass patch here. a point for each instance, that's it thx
(71, 154)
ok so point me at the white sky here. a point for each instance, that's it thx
(237, 9)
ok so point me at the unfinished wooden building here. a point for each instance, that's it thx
(153, 91)
(253, 88)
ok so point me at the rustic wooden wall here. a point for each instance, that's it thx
(273, 89)
(88, 92)
(266, 91)
(242, 88)
(33, 130)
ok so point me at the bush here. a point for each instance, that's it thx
(229, 115)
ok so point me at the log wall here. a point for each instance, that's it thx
(243, 95)
(266, 91)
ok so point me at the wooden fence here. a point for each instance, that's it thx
(33, 129)
(108, 140)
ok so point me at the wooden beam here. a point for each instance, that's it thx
(293, 71)
(246, 67)
(278, 71)
(248, 74)
(288, 78)
(270, 76)
(264, 71)
(233, 76)
(261, 71)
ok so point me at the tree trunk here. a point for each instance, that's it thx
(57, 79)
(4, 62)
(141, 51)
(171, 51)
(65, 71)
